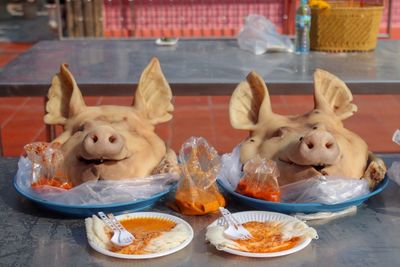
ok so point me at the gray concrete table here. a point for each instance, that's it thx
(31, 236)
(194, 67)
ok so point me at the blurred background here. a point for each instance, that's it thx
(25, 22)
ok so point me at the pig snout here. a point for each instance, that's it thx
(102, 143)
(317, 148)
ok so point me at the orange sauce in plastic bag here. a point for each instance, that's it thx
(197, 193)
(269, 194)
(196, 201)
(52, 182)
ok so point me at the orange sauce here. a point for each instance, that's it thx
(196, 201)
(193, 197)
(144, 230)
(269, 194)
(52, 182)
(267, 237)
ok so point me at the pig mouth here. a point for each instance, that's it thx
(98, 161)
(319, 168)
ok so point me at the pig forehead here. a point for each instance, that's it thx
(318, 116)
(301, 122)
(108, 114)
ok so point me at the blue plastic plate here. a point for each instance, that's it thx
(301, 207)
(88, 210)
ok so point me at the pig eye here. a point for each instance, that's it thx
(280, 132)
(319, 126)
(80, 128)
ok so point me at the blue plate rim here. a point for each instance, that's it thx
(362, 198)
(100, 206)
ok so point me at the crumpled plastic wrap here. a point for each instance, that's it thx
(95, 192)
(231, 172)
(197, 192)
(259, 36)
(259, 180)
(325, 189)
(394, 172)
(396, 137)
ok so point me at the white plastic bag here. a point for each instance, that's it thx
(95, 192)
(259, 35)
(230, 172)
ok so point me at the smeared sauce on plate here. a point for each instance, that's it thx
(267, 238)
(144, 229)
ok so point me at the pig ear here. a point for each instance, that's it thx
(331, 94)
(153, 95)
(249, 103)
(65, 98)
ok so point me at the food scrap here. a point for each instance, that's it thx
(144, 230)
(268, 236)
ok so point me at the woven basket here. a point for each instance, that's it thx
(344, 28)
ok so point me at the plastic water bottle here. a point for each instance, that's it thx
(303, 23)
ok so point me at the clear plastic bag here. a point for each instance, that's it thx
(95, 192)
(259, 36)
(47, 160)
(197, 191)
(260, 180)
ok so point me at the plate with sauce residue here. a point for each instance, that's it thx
(265, 216)
(145, 221)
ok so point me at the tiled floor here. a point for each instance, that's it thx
(21, 118)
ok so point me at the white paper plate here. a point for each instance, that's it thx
(264, 216)
(150, 255)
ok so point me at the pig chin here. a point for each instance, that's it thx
(317, 168)
(97, 169)
(300, 171)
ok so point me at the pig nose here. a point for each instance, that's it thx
(319, 148)
(102, 143)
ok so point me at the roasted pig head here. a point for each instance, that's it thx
(111, 142)
(308, 145)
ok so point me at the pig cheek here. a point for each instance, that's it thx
(353, 157)
(249, 149)
(279, 147)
